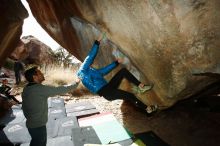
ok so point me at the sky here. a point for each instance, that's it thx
(31, 27)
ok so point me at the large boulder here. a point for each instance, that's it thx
(174, 44)
(32, 51)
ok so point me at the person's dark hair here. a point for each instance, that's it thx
(30, 73)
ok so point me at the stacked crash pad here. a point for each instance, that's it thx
(59, 126)
(81, 109)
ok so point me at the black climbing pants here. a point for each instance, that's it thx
(111, 91)
(12, 97)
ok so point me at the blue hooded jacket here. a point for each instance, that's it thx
(92, 78)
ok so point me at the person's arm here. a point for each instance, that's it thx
(52, 91)
(105, 70)
(92, 54)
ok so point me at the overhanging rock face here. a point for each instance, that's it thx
(164, 42)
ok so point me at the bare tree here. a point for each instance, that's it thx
(64, 57)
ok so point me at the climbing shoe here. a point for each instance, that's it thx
(140, 90)
(151, 109)
(145, 88)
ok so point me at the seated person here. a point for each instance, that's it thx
(5, 92)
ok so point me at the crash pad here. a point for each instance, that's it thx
(58, 141)
(106, 126)
(84, 135)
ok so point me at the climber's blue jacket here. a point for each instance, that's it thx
(92, 78)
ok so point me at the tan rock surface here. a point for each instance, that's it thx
(165, 42)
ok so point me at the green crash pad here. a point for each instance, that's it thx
(150, 139)
(107, 128)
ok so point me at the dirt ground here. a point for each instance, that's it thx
(185, 124)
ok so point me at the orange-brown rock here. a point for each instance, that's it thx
(31, 51)
(12, 15)
(173, 44)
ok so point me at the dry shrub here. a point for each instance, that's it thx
(56, 75)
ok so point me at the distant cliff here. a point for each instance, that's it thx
(31, 50)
